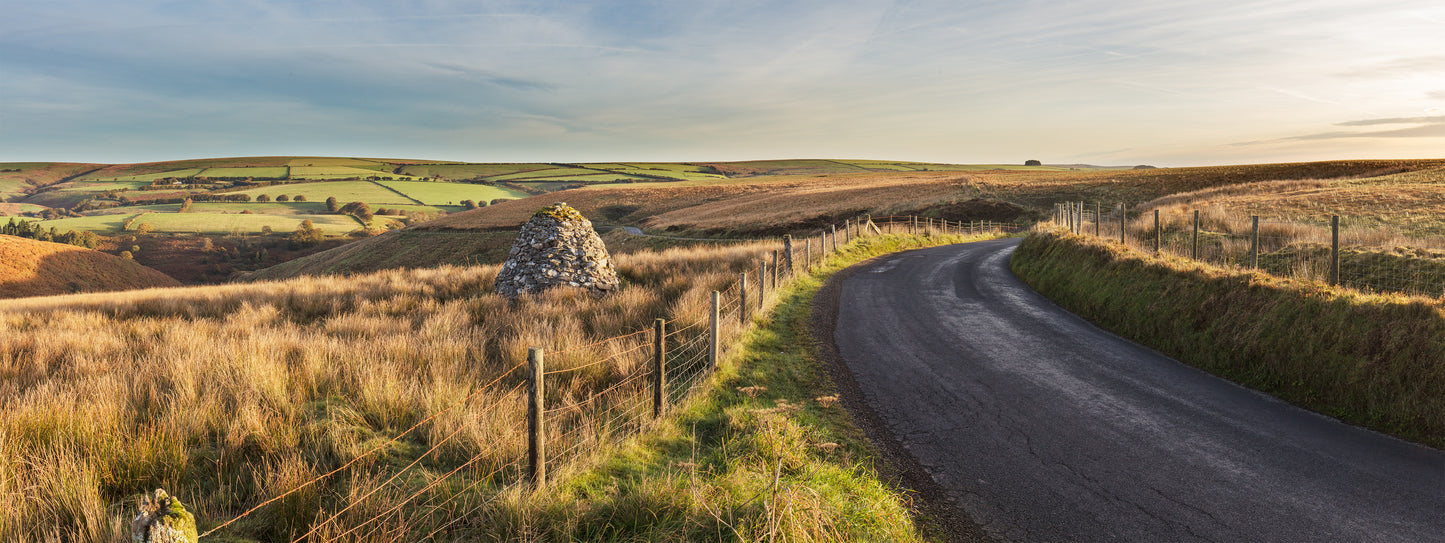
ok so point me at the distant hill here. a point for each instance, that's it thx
(41, 268)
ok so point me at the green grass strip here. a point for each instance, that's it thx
(761, 452)
(1372, 360)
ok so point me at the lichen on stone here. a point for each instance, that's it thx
(560, 211)
(163, 519)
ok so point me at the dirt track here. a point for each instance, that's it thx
(1007, 413)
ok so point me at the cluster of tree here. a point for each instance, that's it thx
(181, 199)
(306, 235)
(33, 230)
(357, 209)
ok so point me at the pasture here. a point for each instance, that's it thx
(344, 191)
(100, 224)
(252, 172)
(469, 171)
(439, 193)
(226, 223)
(339, 172)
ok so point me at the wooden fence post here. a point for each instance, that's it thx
(714, 331)
(808, 254)
(913, 229)
(777, 269)
(1194, 253)
(1254, 242)
(788, 253)
(743, 299)
(536, 441)
(834, 236)
(762, 284)
(1158, 234)
(1098, 219)
(659, 366)
(1334, 249)
(1123, 215)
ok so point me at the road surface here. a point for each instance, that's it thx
(1042, 427)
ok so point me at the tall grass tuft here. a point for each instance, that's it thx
(230, 395)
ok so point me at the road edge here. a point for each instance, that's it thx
(896, 468)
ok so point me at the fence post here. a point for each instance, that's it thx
(1194, 253)
(1098, 219)
(777, 269)
(762, 284)
(659, 366)
(1254, 242)
(1158, 234)
(913, 229)
(715, 331)
(536, 442)
(808, 254)
(788, 253)
(1334, 250)
(834, 235)
(1123, 215)
(743, 299)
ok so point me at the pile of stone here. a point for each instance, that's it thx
(557, 248)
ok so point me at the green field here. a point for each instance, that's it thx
(435, 193)
(338, 172)
(146, 177)
(258, 173)
(343, 162)
(549, 173)
(344, 191)
(224, 223)
(684, 172)
(11, 186)
(470, 171)
(100, 224)
(102, 187)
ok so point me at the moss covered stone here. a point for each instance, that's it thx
(163, 519)
(560, 211)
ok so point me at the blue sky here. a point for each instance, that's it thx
(1105, 82)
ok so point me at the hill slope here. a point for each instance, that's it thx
(40, 268)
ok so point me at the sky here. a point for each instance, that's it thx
(1110, 82)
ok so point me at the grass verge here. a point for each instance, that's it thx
(762, 452)
(1372, 360)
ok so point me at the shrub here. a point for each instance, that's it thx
(1033, 163)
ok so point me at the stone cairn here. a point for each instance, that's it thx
(163, 519)
(557, 248)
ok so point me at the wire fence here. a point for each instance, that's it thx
(641, 375)
(1368, 257)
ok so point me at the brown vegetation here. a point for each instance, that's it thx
(40, 268)
(230, 395)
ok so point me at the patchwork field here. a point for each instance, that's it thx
(344, 191)
(225, 223)
(438, 193)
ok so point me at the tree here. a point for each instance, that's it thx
(359, 210)
(263, 198)
(266, 230)
(281, 198)
(299, 198)
(306, 235)
(144, 228)
(1033, 163)
(185, 206)
(331, 205)
(126, 255)
(469, 204)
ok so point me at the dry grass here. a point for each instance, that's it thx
(38, 268)
(230, 395)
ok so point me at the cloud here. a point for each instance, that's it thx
(1396, 120)
(1425, 127)
(1400, 67)
(1436, 95)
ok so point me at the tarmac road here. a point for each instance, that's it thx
(1039, 426)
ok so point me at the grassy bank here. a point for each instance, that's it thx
(1373, 360)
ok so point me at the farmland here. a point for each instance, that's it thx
(225, 223)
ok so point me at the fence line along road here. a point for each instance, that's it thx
(683, 352)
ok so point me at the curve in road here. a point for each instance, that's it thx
(1042, 427)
